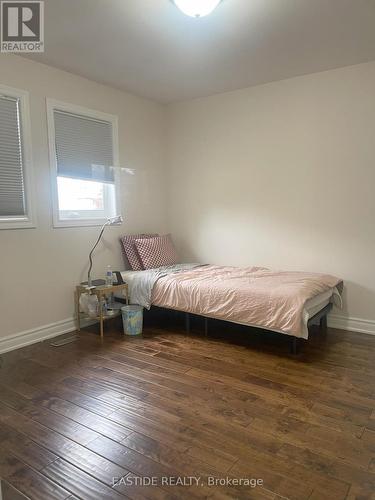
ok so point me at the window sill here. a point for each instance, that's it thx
(80, 223)
(17, 224)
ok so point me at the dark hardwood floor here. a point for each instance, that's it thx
(172, 406)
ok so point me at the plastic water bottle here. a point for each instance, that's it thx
(109, 276)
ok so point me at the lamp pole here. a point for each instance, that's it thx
(109, 222)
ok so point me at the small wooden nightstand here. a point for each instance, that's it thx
(100, 292)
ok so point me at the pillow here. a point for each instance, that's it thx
(128, 245)
(156, 252)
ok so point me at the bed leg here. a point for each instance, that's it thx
(294, 346)
(323, 323)
(206, 327)
(187, 322)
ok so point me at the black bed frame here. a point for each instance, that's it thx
(320, 317)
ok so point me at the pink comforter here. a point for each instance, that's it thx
(252, 296)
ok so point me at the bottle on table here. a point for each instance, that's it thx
(109, 276)
(109, 279)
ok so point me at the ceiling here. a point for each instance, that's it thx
(148, 47)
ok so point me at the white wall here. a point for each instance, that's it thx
(39, 267)
(281, 175)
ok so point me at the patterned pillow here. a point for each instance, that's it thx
(128, 245)
(157, 252)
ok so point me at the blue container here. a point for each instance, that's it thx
(132, 319)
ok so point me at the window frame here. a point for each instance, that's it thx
(28, 221)
(52, 105)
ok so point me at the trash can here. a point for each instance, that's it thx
(132, 319)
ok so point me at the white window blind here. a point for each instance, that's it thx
(84, 147)
(12, 186)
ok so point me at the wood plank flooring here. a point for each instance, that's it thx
(90, 420)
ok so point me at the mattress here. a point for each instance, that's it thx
(316, 304)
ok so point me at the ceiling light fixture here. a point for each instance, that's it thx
(197, 8)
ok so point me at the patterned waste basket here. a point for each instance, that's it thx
(132, 319)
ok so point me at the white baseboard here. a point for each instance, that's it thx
(352, 324)
(45, 332)
(34, 335)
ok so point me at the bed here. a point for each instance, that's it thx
(282, 301)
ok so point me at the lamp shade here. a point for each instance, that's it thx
(197, 8)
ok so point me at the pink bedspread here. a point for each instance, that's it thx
(252, 296)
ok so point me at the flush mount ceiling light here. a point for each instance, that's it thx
(197, 8)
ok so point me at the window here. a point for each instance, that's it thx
(15, 160)
(83, 149)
